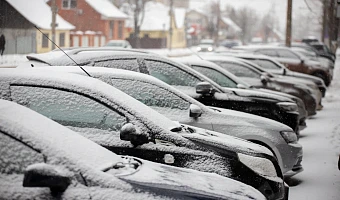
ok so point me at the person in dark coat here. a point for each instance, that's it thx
(2, 44)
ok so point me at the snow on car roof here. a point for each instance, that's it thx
(39, 14)
(90, 86)
(52, 138)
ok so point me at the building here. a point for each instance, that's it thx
(197, 26)
(21, 35)
(96, 21)
(176, 3)
(267, 35)
(154, 30)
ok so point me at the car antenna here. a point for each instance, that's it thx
(196, 54)
(63, 51)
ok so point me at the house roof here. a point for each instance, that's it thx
(162, 19)
(39, 14)
(106, 9)
(231, 24)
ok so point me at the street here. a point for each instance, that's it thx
(321, 142)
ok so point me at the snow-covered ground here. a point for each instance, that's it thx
(321, 142)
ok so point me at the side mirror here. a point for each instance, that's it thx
(264, 79)
(195, 111)
(130, 132)
(241, 86)
(45, 175)
(205, 89)
(302, 61)
(284, 71)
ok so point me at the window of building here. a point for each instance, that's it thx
(102, 41)
(120, 29)
(85, 41)
(111, 30)
(75, 41)
(96, 41)
(62, 39)
(45, 40)
(69, 4)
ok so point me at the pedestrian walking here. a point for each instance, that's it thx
(2, 44)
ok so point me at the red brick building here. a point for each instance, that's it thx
(96, 21)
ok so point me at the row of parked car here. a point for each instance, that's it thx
(131, 124)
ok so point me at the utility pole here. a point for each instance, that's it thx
(289, 23)
(53, 24)
(324, 20)
(170, 27)
(218, 10)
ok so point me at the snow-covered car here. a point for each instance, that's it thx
(183, 78)
(230, 82)
(178, 106)
(275, 67)
(41, 159)
(257, 79)
(125, 126)
(206, 45)
(292, 60)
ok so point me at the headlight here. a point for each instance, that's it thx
(199, 48)
(289, 136)
(259, 165)
(210, 48)
(287, 106)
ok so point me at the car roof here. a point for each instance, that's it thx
(122, 74)
(196, 61)
(51, 138)
(87, 59)
(89, 86)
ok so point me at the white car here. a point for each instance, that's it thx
(41, 159)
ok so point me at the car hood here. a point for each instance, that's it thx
(257, 94)
(221, 142)
(190, 183)
(252, 120)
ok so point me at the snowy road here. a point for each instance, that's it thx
(321, 142)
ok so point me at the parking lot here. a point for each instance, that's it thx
(321, 144)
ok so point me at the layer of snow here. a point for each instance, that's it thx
(179, 17)
(106, 9)
(39, 14)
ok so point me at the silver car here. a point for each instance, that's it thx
(174, 104)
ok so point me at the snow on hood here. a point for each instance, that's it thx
(52, 138)
(191, 182)
(258, 94)
(225, 142)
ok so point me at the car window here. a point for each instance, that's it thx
(68, 108)
(171, 74)
(150, 94)
(287, 54)
(238, 70)
(266, 64)
(127, 64)
(216, 76)
(15, 156)
(267, 52)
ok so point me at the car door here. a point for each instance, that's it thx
(99, 122)
(292, 61)
(15, 157)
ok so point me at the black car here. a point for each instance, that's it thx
(183, 78)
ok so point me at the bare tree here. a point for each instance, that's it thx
(247, 19)
(137, 8)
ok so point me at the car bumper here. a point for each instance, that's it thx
(292, 158)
